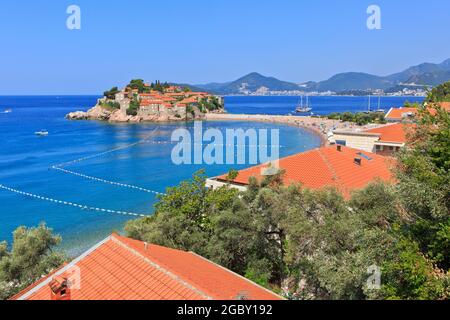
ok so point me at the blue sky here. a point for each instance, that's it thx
(200, 41)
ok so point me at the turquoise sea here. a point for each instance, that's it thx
(26, 161)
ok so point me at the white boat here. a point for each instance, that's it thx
(304, 108)
(41, 133)
(7, 111)
(379, 105)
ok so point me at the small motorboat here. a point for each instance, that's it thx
(7, 111)
(41, 133)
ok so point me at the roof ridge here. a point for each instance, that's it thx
(178, 279)
(235, 274)
(328, 164)
(333, 172)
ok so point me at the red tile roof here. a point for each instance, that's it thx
(193, 93)
(400, 113)
(327, 166)
(189, 100)
(149, 102)
(151, 95)
(119, 268)
(393, 133)
(168, 99)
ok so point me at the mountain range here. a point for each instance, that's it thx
(425, 74)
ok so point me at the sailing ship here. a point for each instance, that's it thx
(379, 105)
(304, 108)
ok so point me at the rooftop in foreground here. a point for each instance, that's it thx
(120, 268)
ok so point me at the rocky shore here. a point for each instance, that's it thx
(119, 115)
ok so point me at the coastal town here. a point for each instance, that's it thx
(153, 102)
(225, 159)
(350, 159)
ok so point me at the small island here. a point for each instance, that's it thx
(151, 102)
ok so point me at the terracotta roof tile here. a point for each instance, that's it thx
(393, 133)
(327, 167)
(124, 269)
(401, 113)
(398, 114)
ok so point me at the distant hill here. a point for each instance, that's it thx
(425, 74)
(415, 71)
(249, 84)
(191, 87)
(431, 78)
(353, 81)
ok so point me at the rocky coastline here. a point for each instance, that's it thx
(102, 113)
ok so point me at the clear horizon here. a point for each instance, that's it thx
(203, 41)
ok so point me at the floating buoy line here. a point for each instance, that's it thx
(80, 206)
(61, 168)
(124, 185)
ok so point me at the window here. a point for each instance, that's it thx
(391, 148)
(379, 148)
(362, 155)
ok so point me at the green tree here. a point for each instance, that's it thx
(424, 184)
(31, 256)
(182, 217)
(133, 109)
(111, 94)
(440, 93)
(232, 175)
(138, 84)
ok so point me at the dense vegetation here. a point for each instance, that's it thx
(111, 94)
(360, 118)
(110, 105)
(211, 103)
(133, 109)
(139, 84)
(440, 94)
(316, 244)
(31, 256)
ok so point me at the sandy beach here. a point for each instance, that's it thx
(320, 126)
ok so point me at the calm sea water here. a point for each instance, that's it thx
(320, 105)
(25, 161)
